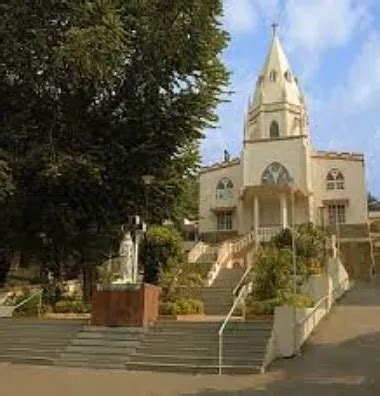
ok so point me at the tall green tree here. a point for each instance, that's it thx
(93, 95)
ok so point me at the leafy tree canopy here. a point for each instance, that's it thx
(93, 95)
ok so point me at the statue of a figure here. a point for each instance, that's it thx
(127, 258)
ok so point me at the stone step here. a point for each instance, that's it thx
(207, 342)
(193, 368)
(209, 329)
(231, 349)
(110, 336)
(46, 342)
(28, 359)
(29, 349)
(100, 350)
(195, 359)
(103, 343)
(87, 357)
(40, 329)
(241, 333)
(113, 330)
(91, 364)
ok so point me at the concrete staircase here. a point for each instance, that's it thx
(208, 257)
(228, 278)
(218, 298)
(193, 347)
(101, 347)
(32, 341)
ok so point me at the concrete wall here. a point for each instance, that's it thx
(325, 290)
(357, 258)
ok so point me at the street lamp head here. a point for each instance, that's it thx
(148, 179)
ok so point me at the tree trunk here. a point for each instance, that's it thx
(88, 280)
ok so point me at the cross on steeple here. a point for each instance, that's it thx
(274, 27)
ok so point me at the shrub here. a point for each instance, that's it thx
(310, 246)
(71, 306)
(181, 307)
(51, 294)
(177, 279)
(298, 300)
(266, 307)
(106, 275)
(163, 245)
(273, 274)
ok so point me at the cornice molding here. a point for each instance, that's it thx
(220, 165)
(266, 140)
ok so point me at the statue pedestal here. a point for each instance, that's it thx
(125, 305)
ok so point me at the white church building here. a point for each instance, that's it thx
(280, 178)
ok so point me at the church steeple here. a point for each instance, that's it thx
(277, 108)
(276, 82)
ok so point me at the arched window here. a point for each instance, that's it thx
(274, 131)
(275, 173)
(288, 76)
(335, 180)
(224, 189)
(273, 75)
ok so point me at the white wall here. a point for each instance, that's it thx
(208, 182)
(288, 338)
(291, 153)
(355, 187)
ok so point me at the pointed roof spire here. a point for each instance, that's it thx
(276, 81)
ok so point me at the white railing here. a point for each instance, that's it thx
(265, 234)
(196, 252)
(226, 252)
(240, 298)
(9, 309)
(223, 255)
(320, 309)
(243, 242)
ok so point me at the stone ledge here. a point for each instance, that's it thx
(183, 318)
(67, 316)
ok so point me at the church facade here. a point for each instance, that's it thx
(280, 179)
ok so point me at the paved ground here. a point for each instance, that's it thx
(342, 358)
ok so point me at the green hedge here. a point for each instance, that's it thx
(182, 306)
(266, 307)
(70, 306)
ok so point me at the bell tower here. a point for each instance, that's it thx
(277, 109)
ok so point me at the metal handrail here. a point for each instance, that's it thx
(243, 278)
(227, 319)
(246, 272)
(31, 297)
(315, 308)
(320, 302)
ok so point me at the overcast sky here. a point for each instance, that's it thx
(333, 46)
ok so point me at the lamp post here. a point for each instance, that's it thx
(148, 180)
(337, 227)
(294, 261)
(294, 252)
(322, 216)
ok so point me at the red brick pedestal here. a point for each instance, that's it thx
(134, 307)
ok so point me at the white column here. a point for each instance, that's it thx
(284, 211)
(256, 214)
